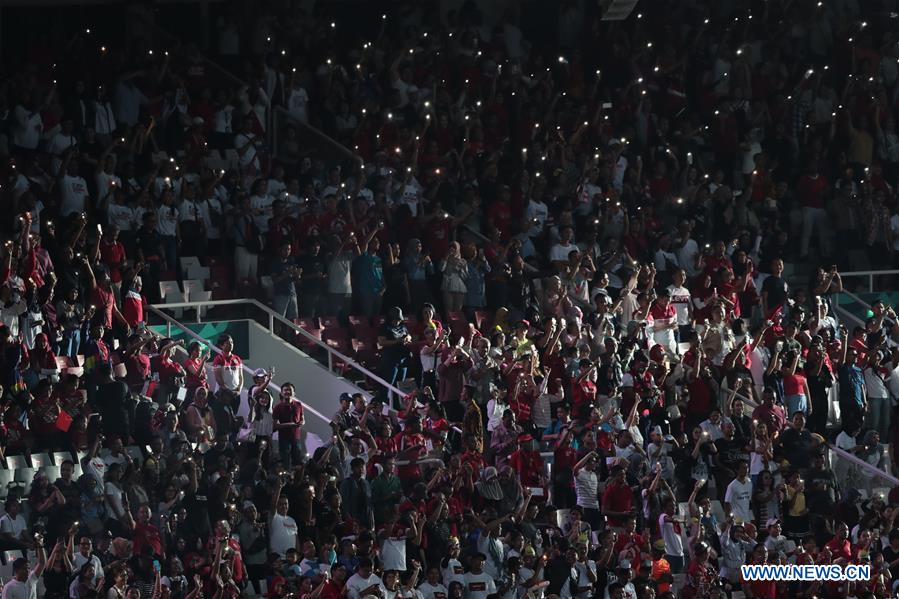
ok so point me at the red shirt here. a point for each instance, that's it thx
(811, 191)
(105, 302)
(617, 498)
(147, 534)
(112, 254)
(133, 308)
(407, 441)
(500, 216)
(288, 412)
(840, 548)
(583, 392)
(528, 465)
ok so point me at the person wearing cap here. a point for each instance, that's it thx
(701, 576)
(527, 463)
(394, 341)
(736, 544)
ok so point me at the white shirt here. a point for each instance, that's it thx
(560, 251)
(453, 572)
(282, 534)
(478, 586)
(874, 385)
(56, 147)
(680, 299)
(121, 216)
(582, 579)
(738, 496)
(264, 204)
(106, 184)
(296, 104)
(13, 526)
(586, 485)
(74, 195)
(242, 140)
(686, 257)
(28, 129)
(211, 209)
(168, 217)
(432, 591)
(674, 542)
(356, 584)
(21, 590)
(539, 211)
(80, 560)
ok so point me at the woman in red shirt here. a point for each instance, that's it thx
(195, 367)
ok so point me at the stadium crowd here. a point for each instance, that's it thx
(572, 253)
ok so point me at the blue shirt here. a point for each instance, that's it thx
(370, 274)
(852, 383)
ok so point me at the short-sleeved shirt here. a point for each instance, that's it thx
(776, 288)
(394, 353)
(285, 286)
(105, 302)
(288, 412)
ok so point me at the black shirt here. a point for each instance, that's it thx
(394, 353)
(111, 403)
(313, 268)
(731, 452)
(776, 288)
(797, 447)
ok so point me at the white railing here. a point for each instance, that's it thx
(870, 274)
(273, 317)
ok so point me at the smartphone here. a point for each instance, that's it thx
(156, 565)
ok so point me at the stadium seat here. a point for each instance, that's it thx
(483, 320)
(307, 324)
(356, 321)
(329, 322)
(192, 286)
(335, 333)
(6, 574)
(14, 462)
(39, 460)
(175, 297)
(60, 456)
(24, 477)
(188, 262)
(166, 287)
(12, 555)
(6, 477)
(202, 273)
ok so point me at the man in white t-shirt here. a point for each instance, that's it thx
(24, 583)
(537, 212)
(364, 582)
(559, 252)
(283, 529)
(680, 299)
(686, 248)
(297, 102)
(13, 526)
(672, 541)
(61, 143)
(586, 485)
(245, 144)
(431, 588)
(739, 494)
(73, 188)
(478, 584)
(84, 555)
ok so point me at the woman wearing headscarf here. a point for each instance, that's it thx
(418, 266)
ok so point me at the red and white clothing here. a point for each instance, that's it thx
(664, 318)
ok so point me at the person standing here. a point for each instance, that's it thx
(285, 274)
(228, 371)
(288, 420)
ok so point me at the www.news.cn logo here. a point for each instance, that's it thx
(807, 573)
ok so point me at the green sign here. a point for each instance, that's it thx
(210, 332)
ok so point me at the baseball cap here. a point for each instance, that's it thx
(771, 522)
